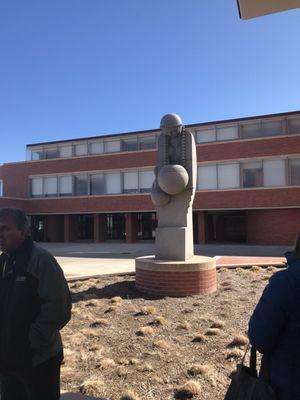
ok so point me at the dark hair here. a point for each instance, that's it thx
(296, 251)
(19, 217)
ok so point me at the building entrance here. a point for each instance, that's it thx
(37, 226)
(85, 227)
(146, 226)
(115, 224)
(226, 226)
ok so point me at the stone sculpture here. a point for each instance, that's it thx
(174, 189)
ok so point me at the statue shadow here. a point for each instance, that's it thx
(125, 289)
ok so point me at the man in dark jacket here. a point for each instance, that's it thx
(34, 305)
(274, 328)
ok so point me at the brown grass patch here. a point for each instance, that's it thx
(122, 371)
(89, 333)
(199, 337)
(116, 299)
(92, 303)
(198, 369)
(133, 361)
(91, 387)
(158, 320)
(107, 363)
(218, 324)
(234, 354)
(255, 268)
(148, 310)
(212, 332)
(239, 340)
(145, 367)
(188, 390)
(99, 322)
(129, 395)
(145, 331)
(111, 309)
(184, 326)
(161, 344)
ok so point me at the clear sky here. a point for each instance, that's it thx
(75, 68)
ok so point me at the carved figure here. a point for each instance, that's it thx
(173, 190)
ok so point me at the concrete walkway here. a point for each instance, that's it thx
(82, 260)
(78, 396)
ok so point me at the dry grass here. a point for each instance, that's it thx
(107, 363)
(133, 361)
(99, 322)
(184, 326)
(129, 395)
(122, 371)
(255, 268)
(111, 309)
(148, 310)
(234, 354)
(218, 324)
(188, 390)
(198, 338)
(239, 340)
(161, 344)
(145, 331)
(198, 369)
(116, 299)
(145, 367)
(91, 387)
(212, 332)
(158, 320)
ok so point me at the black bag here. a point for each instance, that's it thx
(247, 385)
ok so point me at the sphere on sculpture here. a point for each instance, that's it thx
(173, 178)
(170, 121)
(158, 197)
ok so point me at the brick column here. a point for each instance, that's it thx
(201, 227)
(70, 228)
(54, 228)
(131, 222)
(99, 228)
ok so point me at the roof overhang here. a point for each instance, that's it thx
(256, 8)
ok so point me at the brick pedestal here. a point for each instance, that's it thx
(176, 278)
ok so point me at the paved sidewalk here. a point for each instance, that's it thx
(80, 260)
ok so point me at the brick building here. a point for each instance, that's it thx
(97, 188)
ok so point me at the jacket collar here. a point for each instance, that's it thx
(19, 258)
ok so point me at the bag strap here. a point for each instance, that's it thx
(253, 361)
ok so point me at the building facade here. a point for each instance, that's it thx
(98, 188)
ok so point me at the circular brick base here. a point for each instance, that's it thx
(176, 278)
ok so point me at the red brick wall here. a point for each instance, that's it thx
(273, 227)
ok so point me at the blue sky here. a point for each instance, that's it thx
(75, 68)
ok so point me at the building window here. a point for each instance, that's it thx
(227, 133)
(252, 174)
(112, 146)
(228, 176)
(295, 171)
(129, 144)
(131, 182)
(115, 226)
(206, 135)
(96, 147)
(37, 187)
(81, 149)
(146, 179)
(37, 154)
(113, 183)
(147, 142)
(147, 224)
(80, 185)
(274, 172)
(251, 131)
(271, 128)
(50, 186)
(294, 125)
(65, 185)
(51, 152)
(1, 187)
(97, 184)
(207, 177)
(65, 151)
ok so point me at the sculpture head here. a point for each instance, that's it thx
(171, 124)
